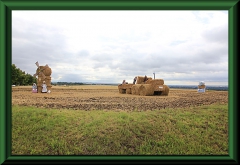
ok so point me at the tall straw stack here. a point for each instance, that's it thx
(146, 90)
(135, 89)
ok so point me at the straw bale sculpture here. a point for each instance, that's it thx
(44, 74)
(145, 87)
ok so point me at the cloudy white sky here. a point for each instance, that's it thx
(181, 47)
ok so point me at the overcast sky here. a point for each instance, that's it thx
(181, 47)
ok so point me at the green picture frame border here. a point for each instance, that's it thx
(6, 8)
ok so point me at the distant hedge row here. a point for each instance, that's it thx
(19, 77)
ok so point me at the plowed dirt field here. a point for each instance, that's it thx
(101, 97)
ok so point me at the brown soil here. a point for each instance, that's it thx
(108, 98)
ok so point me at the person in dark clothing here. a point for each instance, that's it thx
(134, 80)
(145, 79)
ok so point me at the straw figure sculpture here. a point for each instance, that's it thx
(201, 87)
(44, 74)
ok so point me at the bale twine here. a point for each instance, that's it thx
(135, 89)
(146, 90)
(165, 90)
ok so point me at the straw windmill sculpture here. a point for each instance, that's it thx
(43, 73)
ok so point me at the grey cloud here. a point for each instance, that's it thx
(205, 19)
(174, 43)
(83, 53)
(33, 45)
(219, 34)
(205, 76)
(47, 46)
(68, 77)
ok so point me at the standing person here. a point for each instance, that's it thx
(134, 80)
(34, 88)
(44, 87)
(145, 79)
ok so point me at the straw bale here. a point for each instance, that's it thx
(140, 79)
(125, 88)
(148, 80)
(48, 78)
(155, 82)
(120, 89)
(165, 90)
(46, 70)
(135, 89)
(158, 88)
(146, 90)
(201, 86)
(48, 82)
(39, 89)
(128, 91)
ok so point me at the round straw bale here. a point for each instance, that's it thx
(120, 89)
(148, 80)
(139, 79)
(46, 70)
(135, 88)
(165, 90)
(146, 90)
(128, 91)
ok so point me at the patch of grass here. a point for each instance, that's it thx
(196, 130)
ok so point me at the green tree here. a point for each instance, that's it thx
(19, 77)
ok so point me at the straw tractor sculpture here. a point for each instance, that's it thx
(148, 88)
(43, 73)
(201, 87)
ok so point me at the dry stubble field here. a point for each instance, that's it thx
(103, 97)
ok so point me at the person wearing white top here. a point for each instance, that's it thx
(44, 87)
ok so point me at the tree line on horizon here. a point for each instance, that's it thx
(19, 77)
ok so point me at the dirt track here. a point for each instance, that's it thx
(108, 98)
